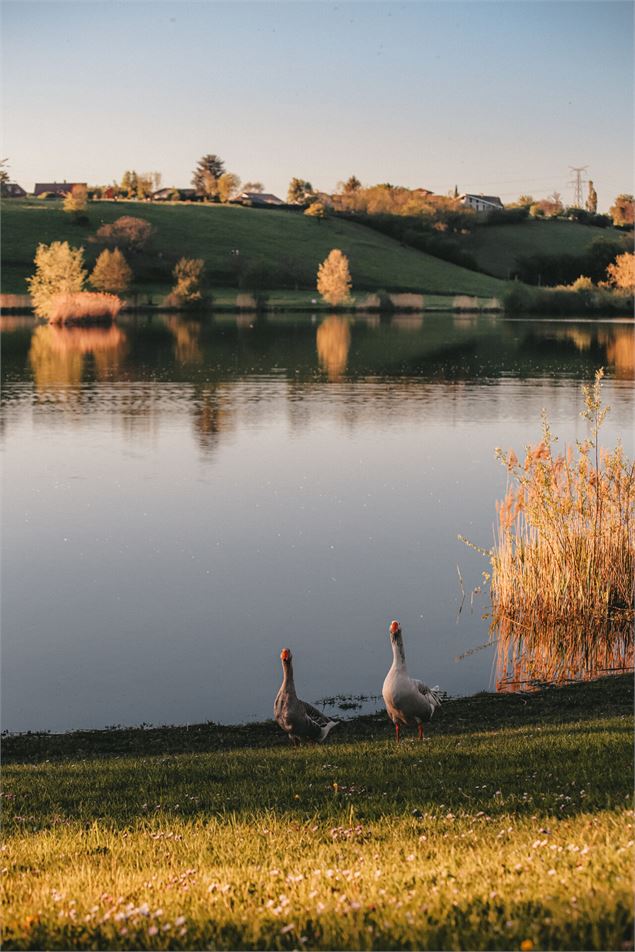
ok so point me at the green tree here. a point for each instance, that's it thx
(228, 185)
(4, 172)
(334, 279)
(205, 178)
(254, 187)
(300, 191)
(59, 269)
(111, 272)
(592, 199)
(621, 211)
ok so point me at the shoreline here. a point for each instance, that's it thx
(486, 711)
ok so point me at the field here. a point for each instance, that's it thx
(276, 241)
(511, 827)
(496, 247)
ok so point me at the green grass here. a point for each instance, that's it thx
(212, 232)
(512, 824)
(496, 247)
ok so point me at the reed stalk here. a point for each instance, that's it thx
(562, 563)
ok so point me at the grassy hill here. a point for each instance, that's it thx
(285, 246)
(509, 828)
(496, 247)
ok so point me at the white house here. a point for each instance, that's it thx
(481, 203)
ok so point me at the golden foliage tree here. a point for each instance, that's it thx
(334, 279)
(111, 272)
(76, 201)
(59, 269)
(316, 210)
(621, 274)
(188, 274)
(228, 185)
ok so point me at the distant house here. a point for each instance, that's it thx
(174, 195)
(481, 203)
(56, 188)
(12, 190)
(258, 199)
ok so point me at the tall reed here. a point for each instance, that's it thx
(86, 306)
(562, 564)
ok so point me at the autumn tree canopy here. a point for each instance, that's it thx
(334, 279)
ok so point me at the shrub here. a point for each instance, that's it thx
(188, 273)
(111, 272)
(334, 279)
(562, 566)
(316, 210)
(45, 196)
(59, 269)
(84, 306)
(126, 232)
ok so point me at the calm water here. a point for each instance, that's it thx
(184, 498)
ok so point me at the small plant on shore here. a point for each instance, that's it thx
(334, 279)
(59, 269)
(188, 275)
(562, 587)
(111, 272)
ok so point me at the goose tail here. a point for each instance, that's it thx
(326, 730)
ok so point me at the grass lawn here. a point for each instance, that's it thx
(511, 827)
(274, 239)
(496, 247)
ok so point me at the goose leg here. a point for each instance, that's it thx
(397, 730)
(420, 731)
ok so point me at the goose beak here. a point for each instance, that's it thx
(394, 629)
(285, 655)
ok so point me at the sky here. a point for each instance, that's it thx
(494, 97)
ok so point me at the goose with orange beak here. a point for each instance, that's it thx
(408, 701)
(298, 719)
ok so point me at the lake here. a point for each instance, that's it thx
(184, 497)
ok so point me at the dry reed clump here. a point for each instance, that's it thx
(562, 566)
(463, 302)
(84, 306)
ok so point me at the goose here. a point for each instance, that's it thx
(407, 700)
(297, 718)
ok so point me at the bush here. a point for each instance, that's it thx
(128, 232)
(59, 269)
(521, 299)
(316, 210)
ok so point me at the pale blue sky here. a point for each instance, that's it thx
(498, 97)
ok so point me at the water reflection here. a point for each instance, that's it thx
(333, 341)
(59, 356)
(187, 333)
(172, 483)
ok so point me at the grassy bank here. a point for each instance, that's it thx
(276, 249)
(511, 827)
(496, 248)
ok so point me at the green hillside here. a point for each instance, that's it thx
(496, 247)
(284, 247)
